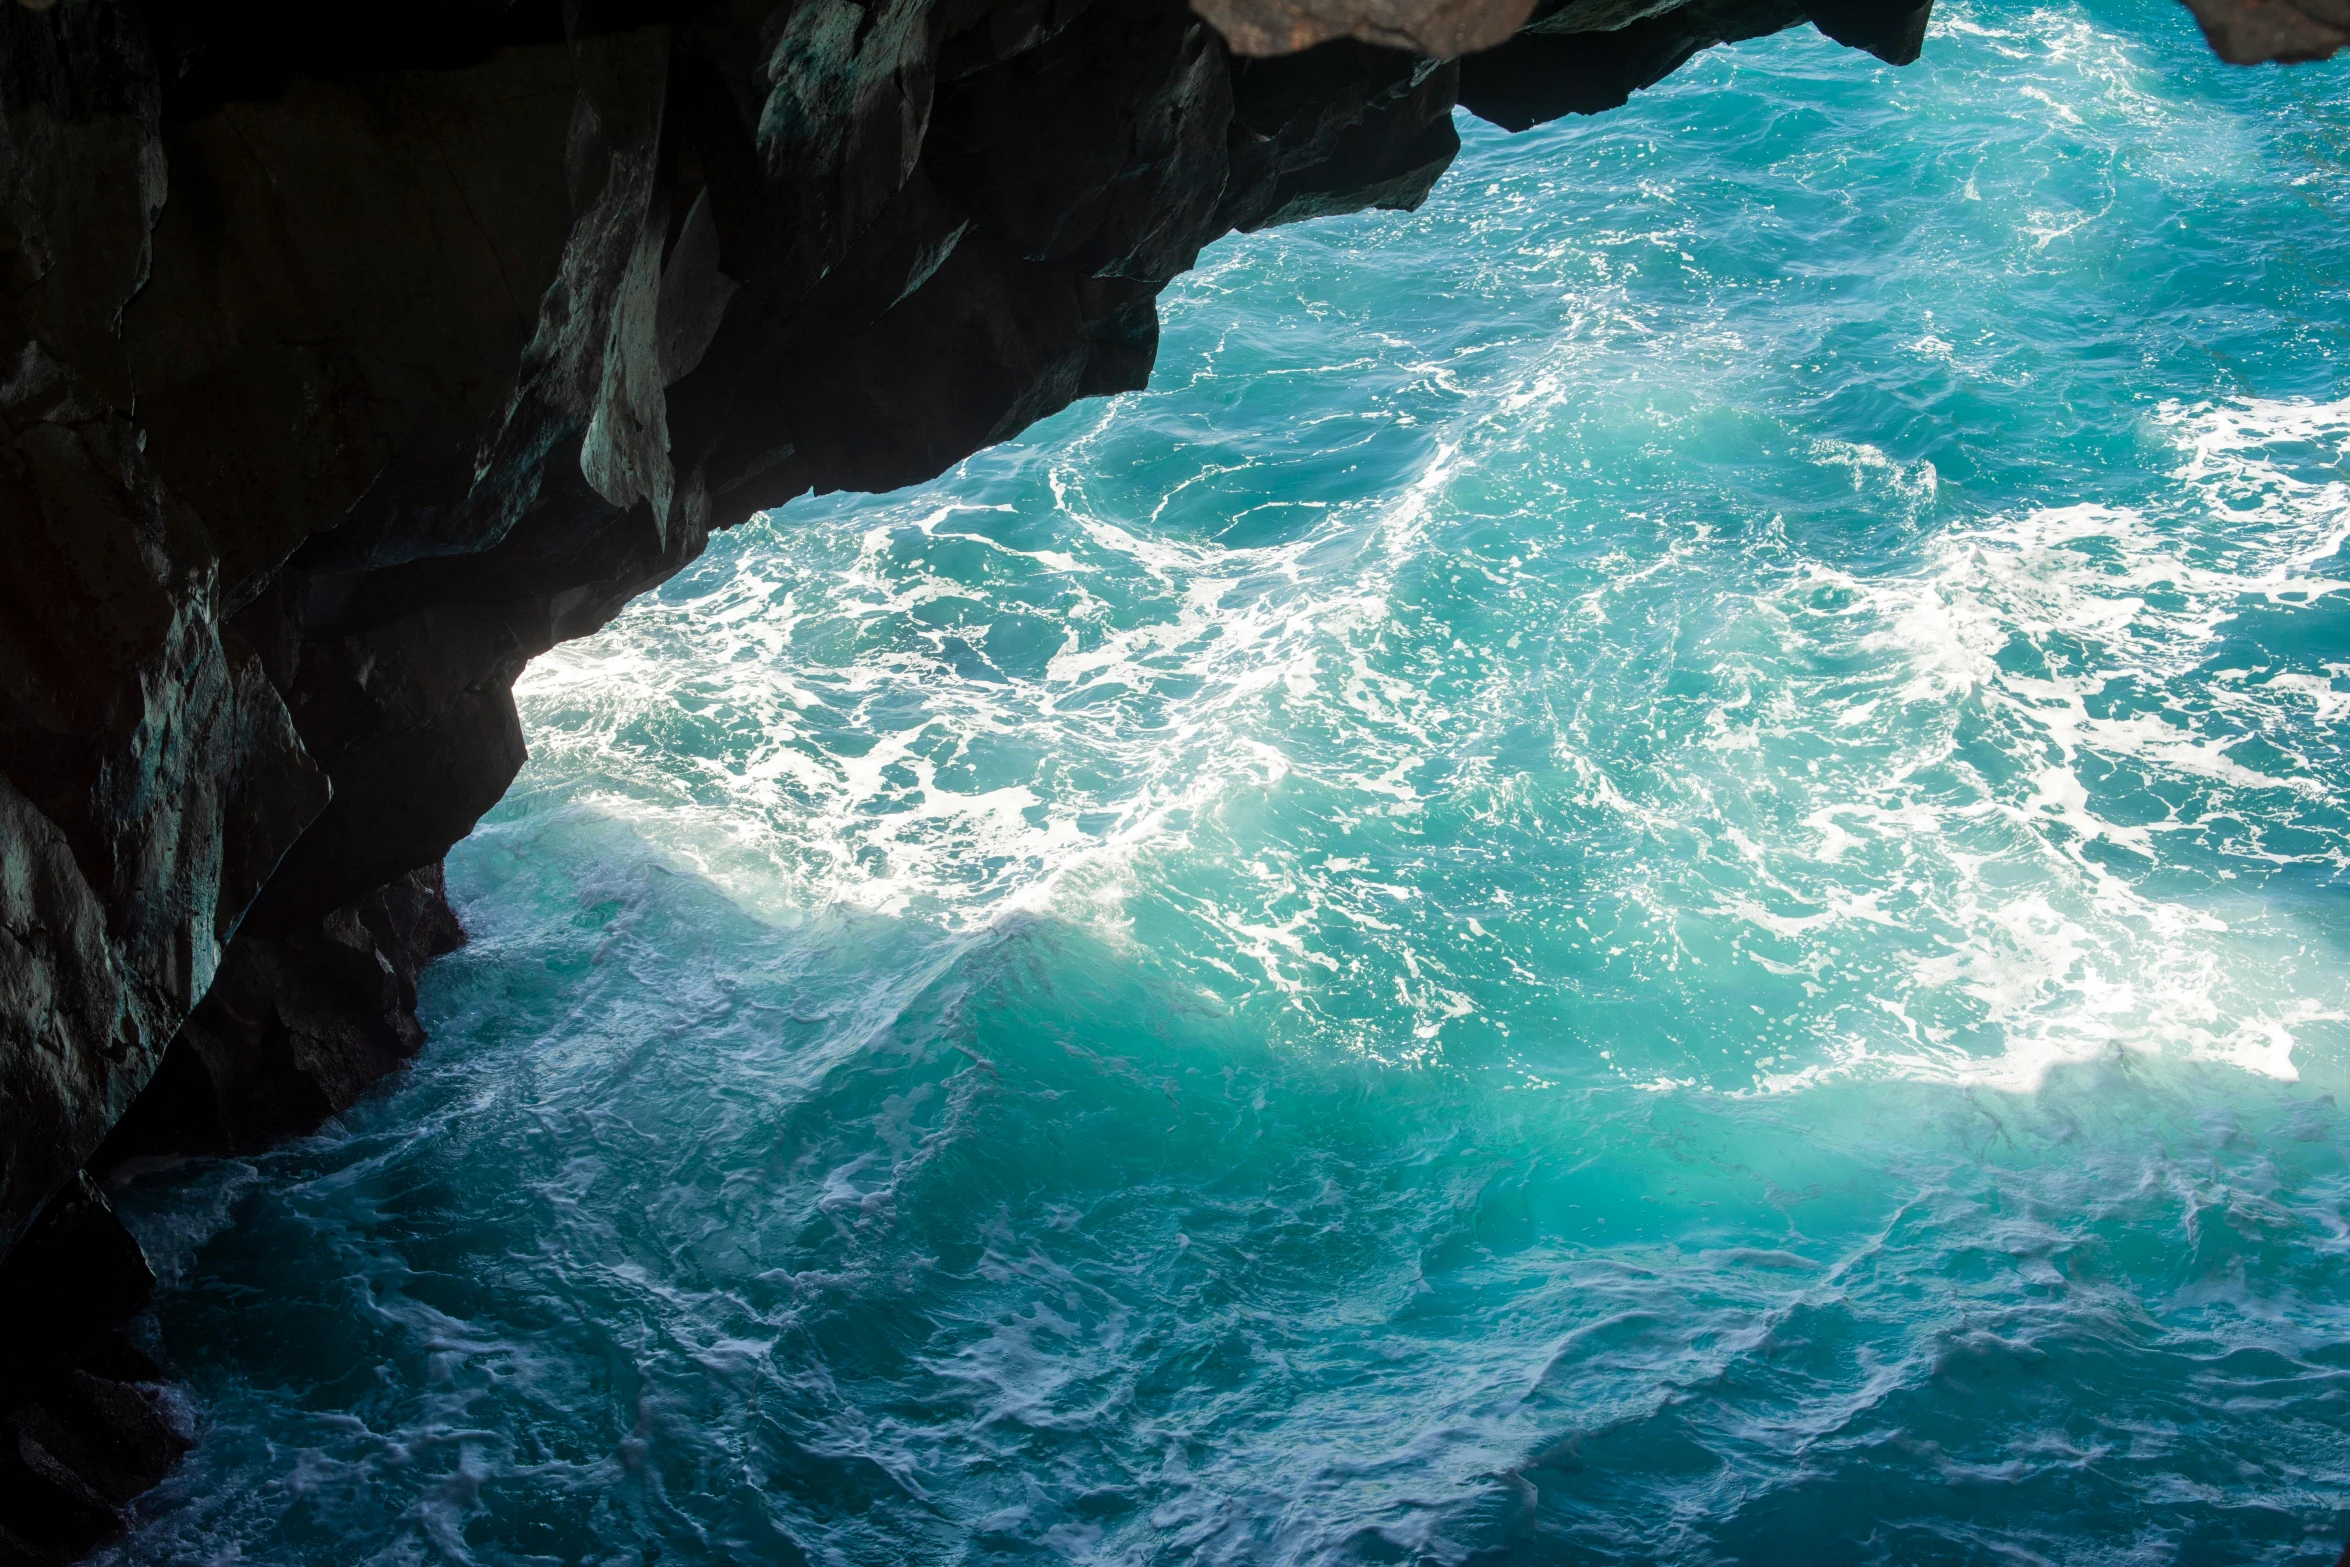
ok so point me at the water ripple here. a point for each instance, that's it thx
(1649, 869)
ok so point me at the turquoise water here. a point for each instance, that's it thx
(1649, 869)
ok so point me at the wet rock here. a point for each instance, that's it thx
(84, 1425)
(300, 1022)
(1588, 56)
(74, 1455)
(74, 1279)
(2252, 32)
(1441, 29)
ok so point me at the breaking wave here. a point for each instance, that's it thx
(1648, 869)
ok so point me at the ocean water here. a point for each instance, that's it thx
(1649, 869)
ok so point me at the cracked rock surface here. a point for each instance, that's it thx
(350, 356)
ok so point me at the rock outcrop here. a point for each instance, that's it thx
(2254, 32)
(352, 356)
(85, 1425)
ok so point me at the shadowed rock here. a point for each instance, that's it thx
(84, 1426)
(299, 1023)
(1438, 28)
(2251, 32)
(1582, 57)
(2246, 32)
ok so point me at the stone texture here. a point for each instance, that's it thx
(1441, 29)
(2245, 32)
(84, 1425)
(76, 1453)
(299, 1023)
(2252, 32)
(1586, 56)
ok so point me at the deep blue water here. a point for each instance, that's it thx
(1649, 869)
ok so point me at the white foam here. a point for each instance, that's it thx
(966, 712)
(2025, 631)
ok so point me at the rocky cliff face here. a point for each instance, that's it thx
(352, 356)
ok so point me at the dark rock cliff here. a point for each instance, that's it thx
(352, 356)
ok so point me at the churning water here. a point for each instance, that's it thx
(1649, 869)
